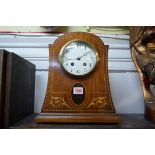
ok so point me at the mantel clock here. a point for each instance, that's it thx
(78, 87)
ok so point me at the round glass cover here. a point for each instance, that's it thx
(78, 58)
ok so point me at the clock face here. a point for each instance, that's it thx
(78, 58)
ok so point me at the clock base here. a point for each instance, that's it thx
(106, 118)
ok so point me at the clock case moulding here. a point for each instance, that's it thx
(59, 105)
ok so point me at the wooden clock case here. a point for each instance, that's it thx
(59, 105)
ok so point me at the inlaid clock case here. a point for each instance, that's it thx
(60, 104)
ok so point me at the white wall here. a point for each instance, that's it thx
(93, 29)
(124, 80)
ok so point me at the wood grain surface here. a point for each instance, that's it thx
(58, 97)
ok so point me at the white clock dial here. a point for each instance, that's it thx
(78, 58)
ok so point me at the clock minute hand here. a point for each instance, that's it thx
(77, 58)
(71, 59)
(84, 55)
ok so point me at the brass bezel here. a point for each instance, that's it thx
(76, 40)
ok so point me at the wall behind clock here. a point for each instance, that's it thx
(93, 29)
(124, 79)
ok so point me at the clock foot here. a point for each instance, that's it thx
(106, 118)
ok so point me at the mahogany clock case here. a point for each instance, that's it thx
(60, 104)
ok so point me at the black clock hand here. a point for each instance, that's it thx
(71, 59)
(78, 58)
(83, 55)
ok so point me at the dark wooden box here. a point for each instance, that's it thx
(17, 87)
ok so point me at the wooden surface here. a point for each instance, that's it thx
(97, 92)
(109, 118)
(127, 122)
